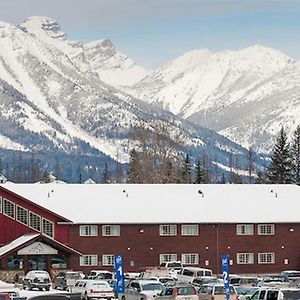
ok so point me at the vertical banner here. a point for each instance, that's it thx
(119, 267)
(225, 272)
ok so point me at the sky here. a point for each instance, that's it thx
(152, 32)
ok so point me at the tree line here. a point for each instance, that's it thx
(156, 157)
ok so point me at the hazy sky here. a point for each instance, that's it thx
(155, 31)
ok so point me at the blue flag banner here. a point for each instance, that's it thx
(119, 267)
(225, 272)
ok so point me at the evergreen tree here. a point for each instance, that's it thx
(279, 170)
(46, 177)
(105, 174)
(186, 170)
(260, 178)
(199, 173)
(250, 163)
(223, 179)
(57, 169)
(295, 152)
(134, 172)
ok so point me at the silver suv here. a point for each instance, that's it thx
(37, 279)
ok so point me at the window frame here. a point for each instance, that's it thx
(260, 261)
(108, 262)
(84, 230)
(27, 217)
(190, 227)
(248, 258)
(115, 230)
(3, 208)
(188, 261)
(89, 257)
(29, 221)
(265, 231)
(169, 230)
(170, 259)
(0, 204)
(241, 229)
(50, 223)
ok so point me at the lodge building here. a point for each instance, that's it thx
(81, 226)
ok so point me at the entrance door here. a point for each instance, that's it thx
(37, 262)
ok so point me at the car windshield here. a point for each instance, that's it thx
(291, 295)
(152, 286)
(186, 290)
(174, 265)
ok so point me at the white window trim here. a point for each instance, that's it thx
(44, 219)
(0, 204)
(118, 230)
(266, 253)
(14, 209)
(29, 225)
(245, 225)
(104, 260)
(187, 226)
(81, 260)
(84, 226)
(239, 262)
(161, 256)
(259, 226)
(161, 232)
(18, 206)
(184, 255)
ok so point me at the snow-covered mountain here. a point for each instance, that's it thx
(51, 100)
(241, 94)
(112, 66)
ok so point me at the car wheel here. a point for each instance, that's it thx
(123, 298)
(47, 289)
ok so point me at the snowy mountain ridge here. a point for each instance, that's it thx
(52, 100)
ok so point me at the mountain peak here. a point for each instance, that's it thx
(105, 47)
(40, 25)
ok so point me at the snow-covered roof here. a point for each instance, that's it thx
(89, 181)
(169, 203)
(18, 242)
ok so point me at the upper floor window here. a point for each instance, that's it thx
(190, 258)
(89, 260)
(167, 258)
(266, 229)
(8, 208)
(245, 258)
(0, 204)
(34, 221)
(22, 215)
(108, 260)
(88, 230)
(266, 258)
(111, 230)
(189, 229)
(167, 229)
(48, 228)
(244, 229)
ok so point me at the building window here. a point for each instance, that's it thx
(48, 228)
(244, 229)
(189, 229)
(34, 221)
(89, 260)
(111, 230)
(22, 215)
(8, 208)
(167, 229)
(108, 260)
(190, 258)
(266, 258)
(0, 204)
(245, 258)
(88, 230)
(266, 229)
(167, 258)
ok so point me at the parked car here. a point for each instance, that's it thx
(175, 265)
(188, 274)
(100, 274)
(216, 292)
(242, 280)
(276, 293)
(199, 281)
(142, 290)
(245, 292)
(97, 289)
(289, 276)
(269, 279)
(37, 279)
(66, 280)
(178, 292)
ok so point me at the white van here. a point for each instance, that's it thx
(188, 274)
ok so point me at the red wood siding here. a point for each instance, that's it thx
(213, 241)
